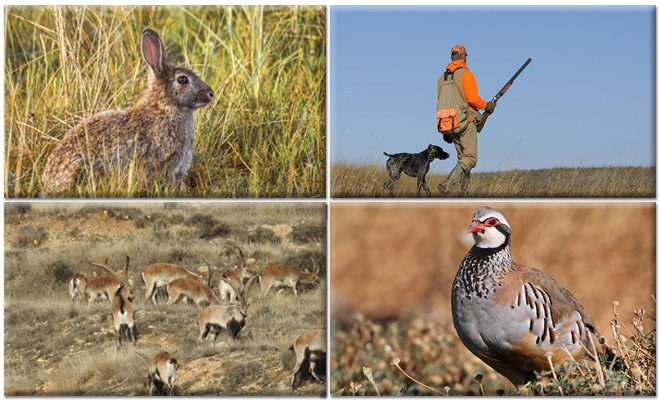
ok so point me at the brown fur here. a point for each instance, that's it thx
(285, 275)
(122, 315)
(159, 275)
(233, 279)
(309, 347)
(97, 287)
(157, 133)
(195, 291)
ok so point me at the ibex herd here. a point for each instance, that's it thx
(181, 284)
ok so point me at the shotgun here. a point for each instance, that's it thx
(499, 94)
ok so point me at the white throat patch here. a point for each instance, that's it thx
(490, 238)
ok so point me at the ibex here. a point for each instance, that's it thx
(310, 348)
(159, 275)
(237, 276)
(192, 289)
(102, 286)
(215, 318)
(286, 275)
(162, 373)
(122, 315)
(122, 311)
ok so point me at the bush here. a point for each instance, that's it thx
(31, 236)
(303, 260)
(62, 272)
(307, 233)
(207, 226)
(218, 229)
(263, 235)
(241, 373)
(17, 208)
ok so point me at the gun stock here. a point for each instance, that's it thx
(484, 116)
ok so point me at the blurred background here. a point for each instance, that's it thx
(396, 262)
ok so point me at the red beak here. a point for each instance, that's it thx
(476, 227)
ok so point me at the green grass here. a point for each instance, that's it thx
(262, 136)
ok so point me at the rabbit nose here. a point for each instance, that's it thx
(210, 93)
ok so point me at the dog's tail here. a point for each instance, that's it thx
(389, 155)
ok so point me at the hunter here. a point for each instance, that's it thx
(461, 126)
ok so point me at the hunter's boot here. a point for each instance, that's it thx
(465, 184)
(457, 174)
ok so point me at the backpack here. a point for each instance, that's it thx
(453, 112)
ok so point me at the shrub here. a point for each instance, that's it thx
(17, 208)
(263, 235)
(217, 229)
(31, 236)
(62, 272)
(240, 373)
(308, 233)
(302, 260)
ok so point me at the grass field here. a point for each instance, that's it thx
(393, 265)
(262, 136)
(366, 181)
(53, 347)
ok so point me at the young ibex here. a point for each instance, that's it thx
(159, 275)
(310, 348)
(215, 318)
(103, 286)
(198, 292)
(122, 315)
(162, 373)
(237, 276)
(286, 275)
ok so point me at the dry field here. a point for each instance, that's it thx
(366, 181)
(393, 265)
(53, 347)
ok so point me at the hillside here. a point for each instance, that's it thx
(54, 347)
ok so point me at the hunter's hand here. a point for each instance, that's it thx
(447, 138)
(490, 107)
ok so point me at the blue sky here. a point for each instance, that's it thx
(586, 99)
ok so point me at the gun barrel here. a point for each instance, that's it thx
(510, 82)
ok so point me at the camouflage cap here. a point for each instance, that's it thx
(458, 49)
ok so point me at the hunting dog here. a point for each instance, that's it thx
(413, 164)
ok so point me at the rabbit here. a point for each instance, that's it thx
(158, 131)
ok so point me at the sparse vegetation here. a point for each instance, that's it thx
(359, 181)
(432, 354)
(262, 136)
(55, 348)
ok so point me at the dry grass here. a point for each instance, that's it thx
(262, 136)
(366, 181)
(55, 348)
(432, 354)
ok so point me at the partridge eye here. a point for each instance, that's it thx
(491, 221)
(182, 80)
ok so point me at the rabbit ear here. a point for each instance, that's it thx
(153, 50)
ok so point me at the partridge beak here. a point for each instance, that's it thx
(476, 227)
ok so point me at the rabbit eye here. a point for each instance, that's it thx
(182, 80)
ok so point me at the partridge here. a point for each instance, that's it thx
(512, 316)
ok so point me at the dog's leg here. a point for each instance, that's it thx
(428, 192)
(420, 182)
(394, 173)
